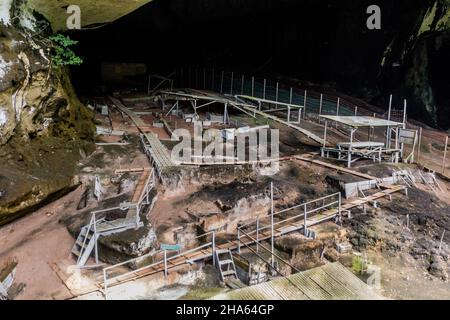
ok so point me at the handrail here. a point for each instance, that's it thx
(296, 207)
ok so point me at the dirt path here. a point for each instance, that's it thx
(35, 241)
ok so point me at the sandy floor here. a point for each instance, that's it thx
(34, 242)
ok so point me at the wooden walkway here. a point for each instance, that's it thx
(332, 281)
(158, 152)
(307, 133)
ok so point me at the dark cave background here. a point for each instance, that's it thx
(321, 42)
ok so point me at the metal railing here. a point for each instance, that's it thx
(308, 208)
(162, 262)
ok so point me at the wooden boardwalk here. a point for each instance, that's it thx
(332, 281)
(158, 152)
(307, 133)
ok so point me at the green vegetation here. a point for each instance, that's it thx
(62, 54)
(357, 264)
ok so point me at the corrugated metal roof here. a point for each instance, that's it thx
(329, 282)
(363, 121)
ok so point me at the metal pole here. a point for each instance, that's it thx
(276, 95)
(325, 134)
(305, 228)
(165, 264)
(257, 234)
(253, 86)
(404, 113)
(445, 155)
(420, 144)
(338, 105)
(271, 223)
(239, 240)
(290, 96)
(264, 89)
(388, 136)
(320, 105)
(356, 111)
(304, 103)
(95, 239)
(232, 82)
(214, 247)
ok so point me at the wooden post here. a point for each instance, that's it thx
(445, 155)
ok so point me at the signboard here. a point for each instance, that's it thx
(171, 247)
(407, 136)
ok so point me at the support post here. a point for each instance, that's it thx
(305, 228)
(388, 141)
(289, 114)
(232, 82)
(264, 89)
(271, 224)
(213, 249)
(325, 134)
(445, 155)
(420, 145)
(304, 103)
(356, 111)
(349, 156)
(290, 96)
(257, 234)
(337, 106)
(239, 239)
(95, 239)
(276, 95)
(320, 105)
(165, 264)
(253, 86)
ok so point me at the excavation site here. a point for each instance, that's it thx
(244, 150)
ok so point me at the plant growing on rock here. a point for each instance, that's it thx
(62, 54)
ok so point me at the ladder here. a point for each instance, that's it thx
(225, 264)
(87, 239)
(85, 243)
